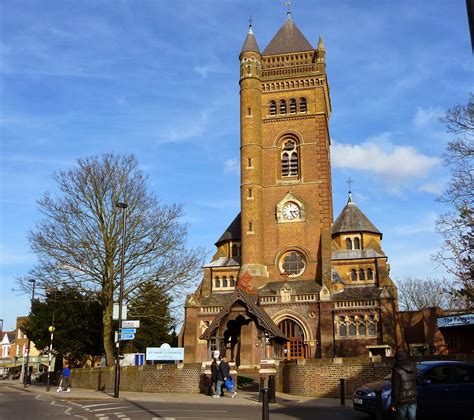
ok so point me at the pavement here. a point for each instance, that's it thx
(243, 397)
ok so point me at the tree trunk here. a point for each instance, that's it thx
(108, 345)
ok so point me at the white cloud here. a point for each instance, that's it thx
(232, 166)
(396, 164)
(203, 71)
(425, 225)
(432, 187)
(426, 117)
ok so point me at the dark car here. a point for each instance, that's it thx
(445, 390)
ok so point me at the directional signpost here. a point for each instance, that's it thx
(129, 329)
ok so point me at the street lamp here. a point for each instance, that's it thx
(27, 370)
(122, 206)
(51, 329)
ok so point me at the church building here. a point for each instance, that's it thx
(287, 281)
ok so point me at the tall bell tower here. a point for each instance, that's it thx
(286, 196)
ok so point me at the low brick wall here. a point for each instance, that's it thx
(186, 379)
(320, 377)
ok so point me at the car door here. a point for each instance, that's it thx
(463, 399)
(436, 392)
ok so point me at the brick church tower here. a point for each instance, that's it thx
(285, 280)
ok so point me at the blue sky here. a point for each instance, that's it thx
(160, 80)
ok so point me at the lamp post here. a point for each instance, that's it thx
(122, 206)
(27, 370)
(51, 329)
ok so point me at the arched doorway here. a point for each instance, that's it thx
(295, 348)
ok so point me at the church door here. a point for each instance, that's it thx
(295, 347)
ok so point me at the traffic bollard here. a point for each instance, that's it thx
(271, 389)
(378, 405)
(265, 405)
(342, 391)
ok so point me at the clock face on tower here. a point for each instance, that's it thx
(291, 211)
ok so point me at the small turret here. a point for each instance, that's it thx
(250, 43)
(320, 52)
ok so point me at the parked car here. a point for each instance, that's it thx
(445, 390)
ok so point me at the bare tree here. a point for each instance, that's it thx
(457, 226)
(415, 294)
(78, 241)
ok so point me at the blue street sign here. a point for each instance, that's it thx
(128, 330)
(127, 336)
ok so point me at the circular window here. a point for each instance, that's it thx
(292, 264)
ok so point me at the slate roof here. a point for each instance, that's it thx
(357, 293)
(298, 286)
(215, 299)
(250, 43)
(224, 262)
(352, 219)
(262, 318)
(355, 254)
(232, 232)
(288, 39)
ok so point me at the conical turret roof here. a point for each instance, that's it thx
(288, 39)
(250, 43)
(352, 219)
(232, 233)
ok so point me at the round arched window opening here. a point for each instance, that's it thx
(292, 264)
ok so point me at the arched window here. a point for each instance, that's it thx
(303, 107)
(289, 159)
(217, 282)
(235, 250)
(231, 281)
(353, 275)
(342, 330)
(371, 326)
(292, 106)
(356, 243)
(352, 329)
(362, 328)
(224, 281)
(282, 107)
(272, 108)
(348, 243)
(370, 274)
(361, 274)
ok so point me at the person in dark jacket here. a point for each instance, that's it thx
(225, 369)
(404, 387)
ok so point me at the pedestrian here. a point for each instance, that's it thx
(214, 370)
(64, 384)
(226, 378)
(403, 387)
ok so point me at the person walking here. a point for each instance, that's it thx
(403, 387)
(64, 384)
(216, 373)
(227, 378)
(213, 381)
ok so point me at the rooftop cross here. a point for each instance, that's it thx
(349, 181)
(288, 5)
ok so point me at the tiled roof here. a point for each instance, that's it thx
(298, 287)
(261, 317)
(288, 39)
(215, 299)
(352, 219)
(357, 293)
(232, 232)
(250, 43)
